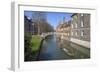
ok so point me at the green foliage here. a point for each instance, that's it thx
(36, 41)
(28, 44)
(32, 44)
(75, 18)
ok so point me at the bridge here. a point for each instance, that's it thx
(44, 35)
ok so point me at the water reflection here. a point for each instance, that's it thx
(55, 48)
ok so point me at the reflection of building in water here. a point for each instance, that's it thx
(63, 30)
(80, 29)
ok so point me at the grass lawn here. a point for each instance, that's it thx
(36, 40)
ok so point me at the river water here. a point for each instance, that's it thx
(55, 49)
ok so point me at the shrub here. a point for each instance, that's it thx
(27, 44)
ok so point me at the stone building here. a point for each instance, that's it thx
(28, 27)
(80, 29)
(63, 30)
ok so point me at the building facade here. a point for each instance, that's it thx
(36, 27)
(28, 27)
(80, 29)
(63, 30)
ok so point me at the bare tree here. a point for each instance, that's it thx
(41, 19)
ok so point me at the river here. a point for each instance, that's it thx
(55, 49)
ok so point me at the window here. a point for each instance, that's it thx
(76, 33)
(81, 14)
(82, 23)
(82, 33)
(75, 25)
(33, 24)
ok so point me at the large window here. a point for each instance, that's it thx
(82, 15)
(82, 33)
(75, 25)
(76, 33)
(82, 25)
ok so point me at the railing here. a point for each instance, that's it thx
(44, 35)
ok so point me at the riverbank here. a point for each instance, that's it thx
(35, 46)
(36, 40)
(48, 48)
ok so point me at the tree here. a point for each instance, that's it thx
(39, 18)
(41, 21)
